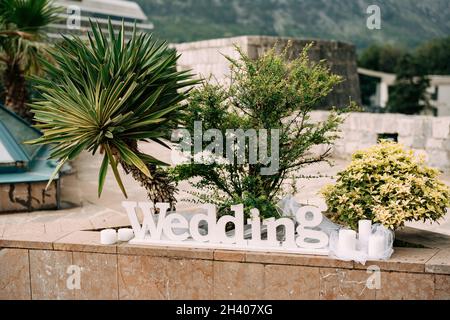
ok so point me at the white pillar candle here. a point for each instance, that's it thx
(125, 235)
(108, 237)
(347, 241)
(364, 232)
(376, 246)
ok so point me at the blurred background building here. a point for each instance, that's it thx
(75, 15)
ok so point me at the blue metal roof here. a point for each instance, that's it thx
(14, 131)
(30, 162)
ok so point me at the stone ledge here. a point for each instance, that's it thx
(166, 252)
(296, 260)
(42, 241)
(409, 260)
(83, 241)
(42, 274)
(440, 263)
(404, 260)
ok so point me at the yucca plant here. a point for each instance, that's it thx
(107, 94)
(22, 41)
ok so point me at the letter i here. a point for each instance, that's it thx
(255, 222)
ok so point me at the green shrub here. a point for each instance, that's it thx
(270, 92)
(389, 185)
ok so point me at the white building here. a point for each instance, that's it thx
(439, 90)
(75, 16)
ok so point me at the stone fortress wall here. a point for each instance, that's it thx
(361, 130)
(424, 134)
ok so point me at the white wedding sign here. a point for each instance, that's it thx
(301, 235)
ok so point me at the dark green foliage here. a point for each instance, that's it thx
(22, 42)
(434, 56)
(408, 95)
(381, 57)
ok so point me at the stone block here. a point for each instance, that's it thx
(441, 128)
(14, 275)
(291, 283)
(83, 241)
(150, 278)
(438, 158)
(406, 286)
(344, 284)
(48, 270)
(42, 199)
(439, 263)
(99, 279)
(238, 281)
(403, 260)
(442, 287)
(190, 279)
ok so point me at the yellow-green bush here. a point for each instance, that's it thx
(389, 185)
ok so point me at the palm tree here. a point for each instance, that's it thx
(107, 95)
(22, 24)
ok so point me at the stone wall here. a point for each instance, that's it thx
(426, 135)
(207, 58)
(21, 197)
(39, 266)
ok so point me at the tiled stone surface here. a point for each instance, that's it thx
(406, 286)
(403, 260)
(109, 220)
(425, 238)
(14, 275)
(143, 278)
(48, 270)
(147, 277)
(291, 283)
(238, 281)
(442, 287)
(130, 249)
(68, 225)
(15, 197)
(31, 240)
(236, 256)
(296, 259)
(83, 241)
(20, 229)
(190, 279)
(343, 284)
(440, 263)
(98, 276)
(42, 198)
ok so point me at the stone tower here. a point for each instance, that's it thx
(206, 58)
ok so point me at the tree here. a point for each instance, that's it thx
(269, 93)
(434, 56)
(383, 58)
(22, 36)
(409, 93)
(107, 95)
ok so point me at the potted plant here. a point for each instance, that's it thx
(389, 185)
(106, 95)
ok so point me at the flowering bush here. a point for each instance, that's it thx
(389, 185)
